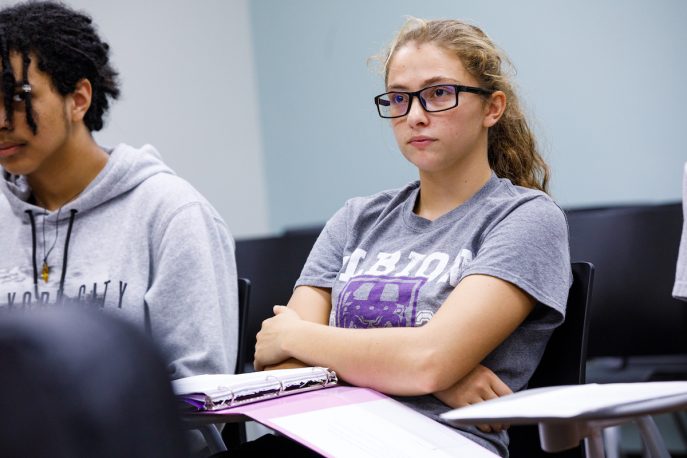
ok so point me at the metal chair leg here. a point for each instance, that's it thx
(594, 444)
(612, 441)
(652, 437)
(213, 438)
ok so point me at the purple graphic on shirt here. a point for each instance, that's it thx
(378, 302)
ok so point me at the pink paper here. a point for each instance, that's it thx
(264, 411)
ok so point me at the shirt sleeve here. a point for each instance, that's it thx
(326, 257)
(192, 301)
(529, 248)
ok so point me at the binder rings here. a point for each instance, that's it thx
(213, 392)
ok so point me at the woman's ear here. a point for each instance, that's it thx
(80, 100)
(495, 106)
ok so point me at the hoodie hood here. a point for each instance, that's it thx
(126, 168)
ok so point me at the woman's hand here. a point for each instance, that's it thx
(481, 384)
(269, 341)
(291, 363)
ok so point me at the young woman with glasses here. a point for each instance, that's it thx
(443, 292)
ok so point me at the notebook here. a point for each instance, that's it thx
(211, 392)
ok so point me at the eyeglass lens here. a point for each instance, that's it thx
(434, 98)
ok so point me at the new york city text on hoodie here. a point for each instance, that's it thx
(139, 242)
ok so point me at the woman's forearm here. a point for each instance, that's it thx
(405, 361)
(391, 360)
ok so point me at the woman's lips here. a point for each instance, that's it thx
(421, 141)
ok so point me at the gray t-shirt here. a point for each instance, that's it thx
(386, 266)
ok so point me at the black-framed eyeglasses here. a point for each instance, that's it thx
(440, 97)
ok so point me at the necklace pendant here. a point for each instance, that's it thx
(45, 271)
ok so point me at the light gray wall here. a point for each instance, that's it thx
(603, 81)
(215, 83)
(189, 88)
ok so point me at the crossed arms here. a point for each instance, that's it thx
(440, 358)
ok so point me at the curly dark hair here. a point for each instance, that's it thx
(67, 48)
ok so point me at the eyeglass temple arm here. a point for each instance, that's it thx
(474, 90)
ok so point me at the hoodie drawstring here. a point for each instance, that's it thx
(72, 215)
(32, 219)
(33, 250)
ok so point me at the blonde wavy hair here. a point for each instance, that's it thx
(512, 148)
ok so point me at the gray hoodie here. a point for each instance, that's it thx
(139, 242)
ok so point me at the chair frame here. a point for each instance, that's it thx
(232, 433)
(563, 362)
(235, 433)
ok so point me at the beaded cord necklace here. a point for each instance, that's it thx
(45, 268)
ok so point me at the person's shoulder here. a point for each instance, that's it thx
(172, 189)
(359, 213)
(143, 170)
(382, 200)
(147, 186)
(533, 200)
(173, 195)
(525, 207)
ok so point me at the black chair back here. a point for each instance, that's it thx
(273, 265)
(243, 357)
(234, 434)
(634, 251)
(563, 361)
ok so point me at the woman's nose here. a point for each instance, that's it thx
(417, 113)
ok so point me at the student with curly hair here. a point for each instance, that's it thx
(114, 228)
(443, 290)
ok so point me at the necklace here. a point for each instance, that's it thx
(45, 270)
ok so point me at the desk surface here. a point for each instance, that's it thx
(577, 403)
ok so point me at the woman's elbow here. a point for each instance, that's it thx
(433, 374)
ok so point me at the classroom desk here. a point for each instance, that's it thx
(562, 430)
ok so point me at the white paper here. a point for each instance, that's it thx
(379, 428)
(567, 401)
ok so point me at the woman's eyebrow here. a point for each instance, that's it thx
(428, 82)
